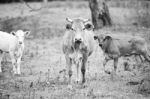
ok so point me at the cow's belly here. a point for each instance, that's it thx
(7, 41)
(125, 47)
(4, 46)
(126, 51)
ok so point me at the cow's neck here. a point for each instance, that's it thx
(77, 46)
(20, 46)
(106, 45)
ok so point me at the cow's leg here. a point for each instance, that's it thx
(13, 60)
(141, 58)
(146, 56)
(69, 68)
(79, 73)
(1, 56)
(83, 69)
(104, 64)
(77, 78)
(113, 74)
(136, 58)
(19, 54)
(18, 65)
(115, 64)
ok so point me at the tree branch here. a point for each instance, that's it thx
(32, 9)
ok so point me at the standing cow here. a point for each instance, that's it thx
(78, 45)
(13, 44)
(114, 48)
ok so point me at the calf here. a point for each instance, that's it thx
(78, 45)
(114, 48)
(13, 44)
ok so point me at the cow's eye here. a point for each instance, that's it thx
(88, 26)
(68, 26)
(73, 29)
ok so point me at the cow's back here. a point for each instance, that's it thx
(7, 41)
(67, 42)
(125, 47)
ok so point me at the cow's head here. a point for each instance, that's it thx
(20, 35)
(79, 28)
(102, 39)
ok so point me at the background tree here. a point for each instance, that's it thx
(100, 13)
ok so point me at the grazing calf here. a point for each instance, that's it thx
(114, 48)
(78, 45)
(13, 44)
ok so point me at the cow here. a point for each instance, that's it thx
(78, 45)
(13, 44)
(115, 47)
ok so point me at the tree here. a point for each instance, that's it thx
(35, 9)
(99, 13)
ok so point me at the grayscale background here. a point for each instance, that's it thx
(43, 64)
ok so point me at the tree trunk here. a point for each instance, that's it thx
(99, 13)
(45, 2)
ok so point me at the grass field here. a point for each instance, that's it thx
(43, 61)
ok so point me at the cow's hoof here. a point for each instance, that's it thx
(113, 76)
(84, 85)
(81, 86)
(83, 81)
(15, 73)
(78, 82)
(107, 72)
(18, 75)
(70, 87)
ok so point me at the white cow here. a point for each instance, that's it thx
(13, 44)
(78, 45)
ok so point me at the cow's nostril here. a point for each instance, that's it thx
(78, 40)
(20, 42)
(100, 45)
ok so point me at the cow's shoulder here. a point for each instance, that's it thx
(4, 34)
(67, 42)
(7, 37)
(89, 42)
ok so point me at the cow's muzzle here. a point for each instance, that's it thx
(78, 41)
(100, 45)
(20, 43)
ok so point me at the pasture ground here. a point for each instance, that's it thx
(43, 75)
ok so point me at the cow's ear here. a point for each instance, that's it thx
(69, 20)
(95, 37)
(89, 26)
(68, 26)
(27, 33)
(107, 38)
(130, 41)
(13, 32)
